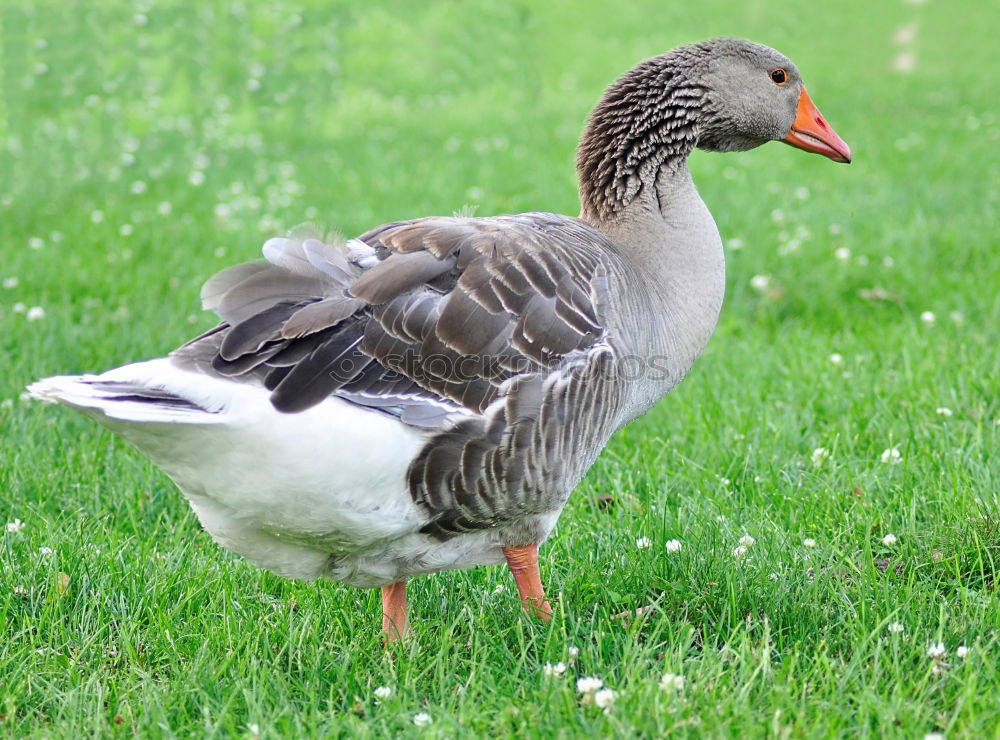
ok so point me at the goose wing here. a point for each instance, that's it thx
(491, 334)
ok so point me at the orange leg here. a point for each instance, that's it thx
(523, 564)
(395, 623)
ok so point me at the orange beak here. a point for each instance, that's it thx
(811, 132)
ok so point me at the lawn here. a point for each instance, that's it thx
(144, 146)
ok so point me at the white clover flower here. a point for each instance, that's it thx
(957, 316)
(35, 313)
(896, 627)
(809, 542)
(18, 307)
(891, 455)
(9, 283)
(772, 576)
(673, 546)
(20, 591)
(126, 229)
(643, 542)
(605, 698)
(422, 719)
(944, 411)
(819, 455)
(672, 682)
(739, 551)
(735, 244)
(746, 540)
(550, 670)
(197, 178)
(905, 34)
(934, 736)
(36, 242)
(928, 317)
(164, 208)
(381, 693)
(45, 551)
(96, 216)
(937, 650)
(889, 539)
(760, 283)
(962, 651)
(573, 651)
(138, 187)
(15, 526)
(836, 358)
(588, 684)
(254, 729)
(843, 254)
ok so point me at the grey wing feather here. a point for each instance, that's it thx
(319, 315)
(264, 288)
(220, 283)
(401, 273)
(250, 335)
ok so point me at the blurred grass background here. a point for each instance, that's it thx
(143, 146)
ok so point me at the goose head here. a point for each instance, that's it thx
(754, 94)
(721, 95)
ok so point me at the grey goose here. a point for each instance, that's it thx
(427, 395)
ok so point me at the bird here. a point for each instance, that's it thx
(426, 396)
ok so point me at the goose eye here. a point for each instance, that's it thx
(779, 76)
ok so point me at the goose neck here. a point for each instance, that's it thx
(671, 298)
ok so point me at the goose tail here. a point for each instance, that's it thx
(155, 392)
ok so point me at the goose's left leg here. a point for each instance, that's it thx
(523, 564)
(395, 622)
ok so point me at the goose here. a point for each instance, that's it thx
(427, 395)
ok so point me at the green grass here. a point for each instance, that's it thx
(138, 625)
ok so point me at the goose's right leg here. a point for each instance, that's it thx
(523, 564)
(395, 622)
